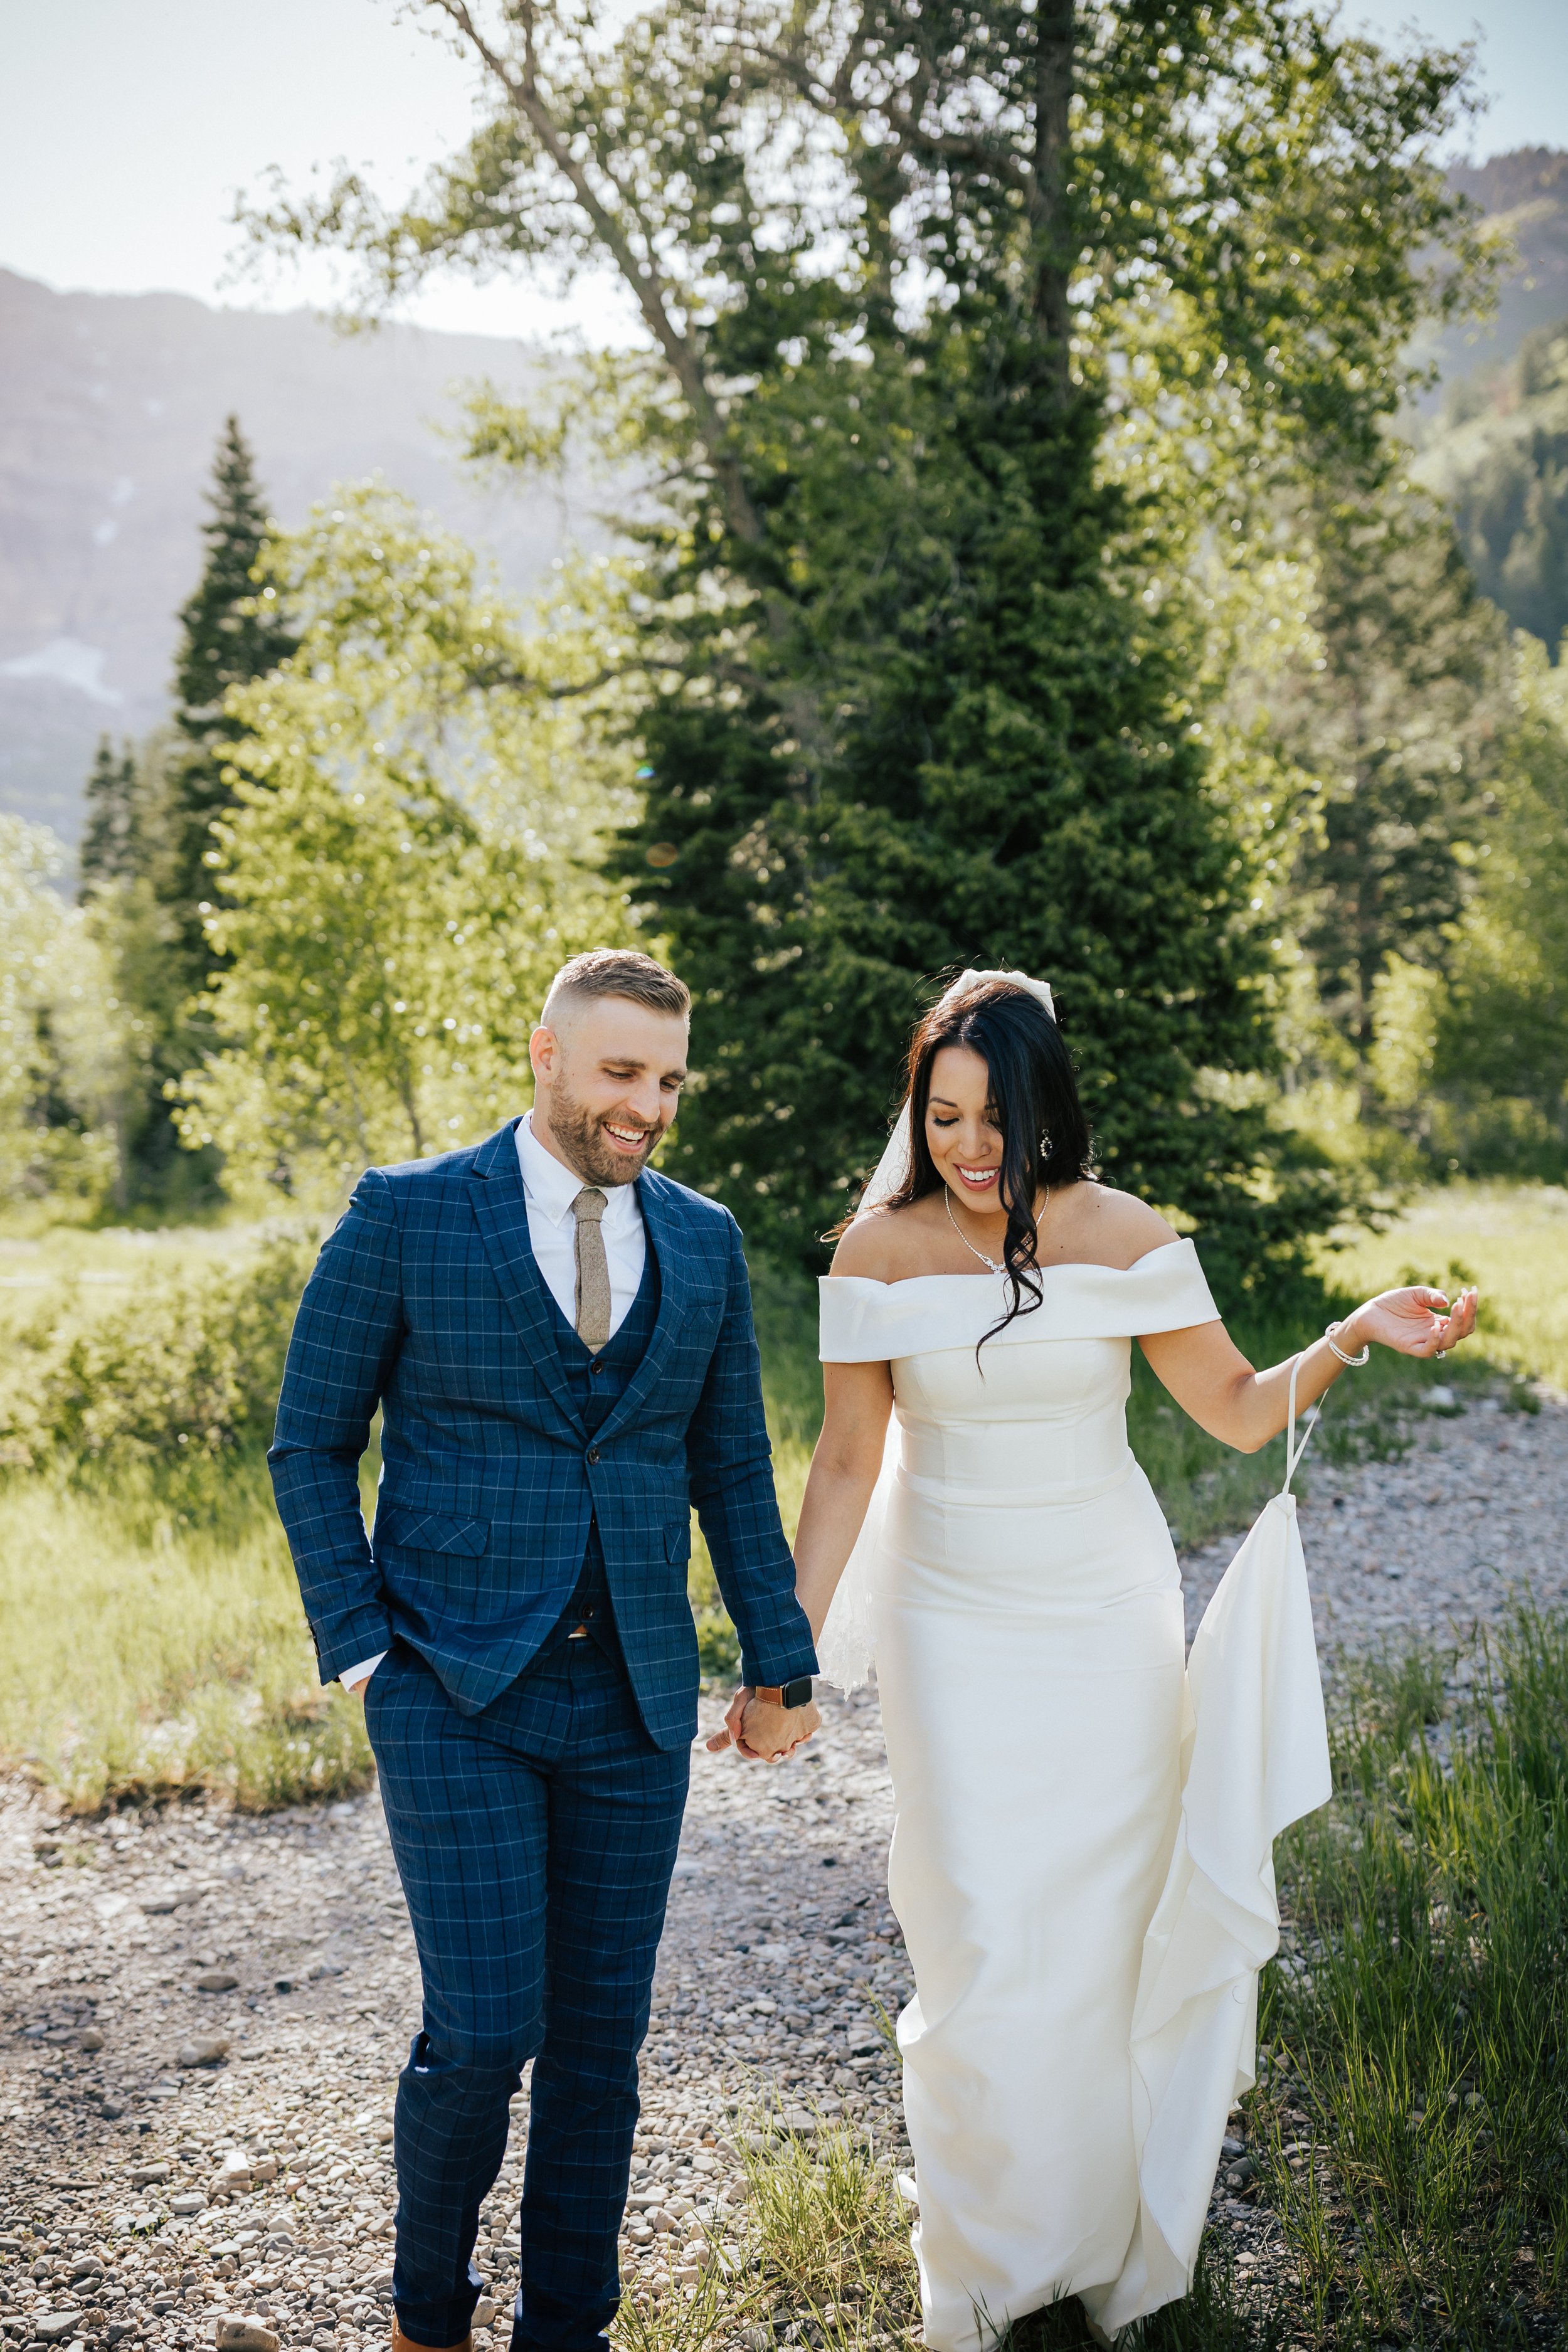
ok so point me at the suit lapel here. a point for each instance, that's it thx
(501, 1212)
(666, 1241)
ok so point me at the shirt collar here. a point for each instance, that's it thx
(551, 1187)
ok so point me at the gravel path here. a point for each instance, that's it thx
(202, 2016)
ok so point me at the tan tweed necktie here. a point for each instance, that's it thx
(592, 1269)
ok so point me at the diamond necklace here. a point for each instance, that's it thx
(992, 1262)
(969, 1245)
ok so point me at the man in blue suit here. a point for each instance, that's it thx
(561, 1344)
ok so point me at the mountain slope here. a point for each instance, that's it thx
(1498, 455)
(110, 407)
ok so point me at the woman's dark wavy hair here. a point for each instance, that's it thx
(1034, 1096)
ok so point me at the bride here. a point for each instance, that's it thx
(1069, 2057)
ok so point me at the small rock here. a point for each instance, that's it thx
(112, 2111)
(156, 1906)
(90, 2039)
(57, 2326)
(484, 2311)
(264, 2169)
(205, 2049)
(216, 1980)
(251, 2334)
(192, 2201)
(148, 2176)
(324, 1969)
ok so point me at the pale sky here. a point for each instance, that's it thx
(126, 126)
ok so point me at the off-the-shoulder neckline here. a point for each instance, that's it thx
(1068, 1266)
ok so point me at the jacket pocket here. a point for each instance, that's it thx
(416, 1530)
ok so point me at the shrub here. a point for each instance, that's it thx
(189, 1368)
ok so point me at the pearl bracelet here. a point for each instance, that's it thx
(1355, 1363)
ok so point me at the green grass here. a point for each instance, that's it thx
(152, 1643)
(1418, 2031)
(1511, 1239)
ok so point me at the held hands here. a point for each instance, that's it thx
(761, 1731)
(1417, 1322)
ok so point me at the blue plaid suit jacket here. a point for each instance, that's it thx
(426, 1300)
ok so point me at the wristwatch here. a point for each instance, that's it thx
(794, 1693)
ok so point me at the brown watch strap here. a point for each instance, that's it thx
(772, 1692)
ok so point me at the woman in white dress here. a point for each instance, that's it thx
(1026, 1607)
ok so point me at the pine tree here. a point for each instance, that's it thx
(1405, 723)
(231, 632)
(1017, 783)
(150, 832)
(109, 843)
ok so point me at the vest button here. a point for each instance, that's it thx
(593, 1453)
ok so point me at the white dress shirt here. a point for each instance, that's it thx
(550, 1188)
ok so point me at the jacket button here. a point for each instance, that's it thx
(593, 1453)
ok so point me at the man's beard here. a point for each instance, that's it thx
(579, 1132)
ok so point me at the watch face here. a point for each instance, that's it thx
(798, 1693)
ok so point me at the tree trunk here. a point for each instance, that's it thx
(1051, 209)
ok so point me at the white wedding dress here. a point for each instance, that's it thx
(1081, 1856)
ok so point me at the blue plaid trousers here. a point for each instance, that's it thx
(536, 1842)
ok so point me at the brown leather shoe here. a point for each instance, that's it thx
(401, 2343)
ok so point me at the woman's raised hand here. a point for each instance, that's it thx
(1417, 1322)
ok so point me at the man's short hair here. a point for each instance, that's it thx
(619, 971)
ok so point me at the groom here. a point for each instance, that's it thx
(561, 1344)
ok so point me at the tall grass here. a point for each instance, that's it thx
(1418, 2030)
(151, 1638)
(151, 1641)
